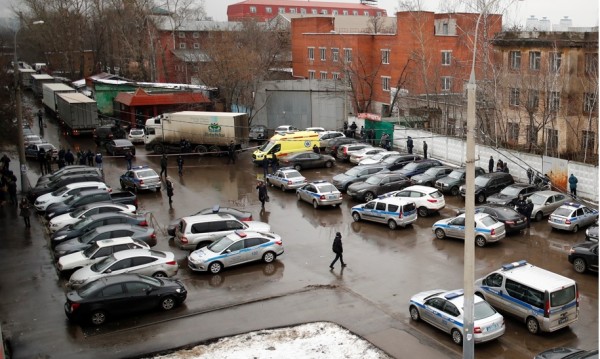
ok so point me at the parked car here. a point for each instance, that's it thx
(136, 135)
(103, 134)
(282, 130)
(451, 183)
(394, 163)
(236, 248)
(429, 177)
(572, 216)
(32, 140)
(365, 153)
(319, 193)
(513, 220)
(315, 129)
(591, 234)
(237, 213)
(66, 192)
(31, 151)
(488, 184)
(68, 171)
(63, 220)
(392, 211)
(286, 178)
(345, 151)
(584, 257)
(140, 178)
(418, 167)
(487, 229)
(510, 194)
(304, 160)
(428, 200)
(60, 182)
(567, 353)
(119, 147)
(325, 138)
(357, 174)
(444, 310)
(87, 197)
(258, 133)
(376, 185)
(377, 158)
(149, 262)
(545, 202)
(334, 143)
(128, 294)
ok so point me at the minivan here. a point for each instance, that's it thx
(394, 211)
(544, 300)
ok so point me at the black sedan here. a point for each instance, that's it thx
(239, 214)
(513, 220)
(418, 167)
(376, 185)
(97, 220)
(510, 194)
(302, 160)
(584, 257)
(120, 295)
(394, 163)
(119, 147)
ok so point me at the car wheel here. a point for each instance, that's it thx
(215, 267)
(575, 229)
(157, 189)
(215, 151)
(122, 184)
(315, 204)
(532, 325)
(159, 275)
(167, 303)
(159, 149)
(369, 196)
(579, 265)
(480, 198)
(268, 257)
(414, 313)
(454, 191)
(440, 234)
(328, 164)
(480, 241)
(423, 212)
(356, 216)
(297, 167)
(539, 216)
(98, 317)
(200, 149)
(456, 336)
(392, 224)
(283, 188)
(298, 196)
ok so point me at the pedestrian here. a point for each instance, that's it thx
(263, 195)
(169, 188)
(530, 175)
(5, 163)
(316, 149)
(521, 205)
(25, 211)
(499, 166)
(61, 154)
(163, 165)
(274, 163)
(129, 158)
(180, 164)
(98, 160)
(69, 158)
(505, 167)
(362, 132)
(491, 165)
(573, 185)
(387, 143)
(338, 250)
(41, 157)
(61, 163)
(409, 145)
(424, 149)
(266, 163)
(529, 211)
(90, 158)
(345, 128)
(231, 153)
(353, 128)
(12, 191)
(40, 115)
(48, 161)
(371, 135)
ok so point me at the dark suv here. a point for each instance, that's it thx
(103, 134)
(397, 162)
(356, 174)
(451, 183)
(488, 184)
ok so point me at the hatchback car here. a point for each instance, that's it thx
(65, 192)
(395, 212)
(303, 160)
(68, 171)
(510, 194)
(237, 213)
(487, 229)
(136, 135)
(584, 257)
(451, 183)
(488, 184)
(119, 147)
(59, 182)
(319, 193)
(418, 167)
(428, 200)
(545, 202)
(140, 178)
(66, 219)
(377, 158)
(325, 138)
(234, 249)
(572, 216)
(376, 185)
(286, 178)
(149, 262)
(429, 177)
(32, 139)
(122, 294)
(334, 143)
(444, 310)
(357, 174)
(344, 152)
(365, 153)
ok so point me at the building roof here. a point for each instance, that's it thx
(341, 23)
(143, 98)
(191, 55)
(166, 23)
(312, 4)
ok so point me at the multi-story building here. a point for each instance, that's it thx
(548, 91)
(264, 10)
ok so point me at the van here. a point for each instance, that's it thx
(488, 184)
(283, 145)
(544, 300)
(394, 211)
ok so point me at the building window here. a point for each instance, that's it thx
(532, 135)
(314, 11)
(311, 53)
(345, 12)
(385, 83)
(196, 45)
(324, 12)
(552, 139)
(323, 53)
(182, 45)
(446, 83)
(355, 12)
(515, 60)
(335, 75)
(379, 14)
(253, 9)
(195, 35)
(181, 34)
(588, 141)
(311, 74)
(446, 58)
(513, 132)
(533, 100)
(514, 97)
(323, 75)
(555, 61)
(385, 56)
(303, 11)
(282, 10)
(292, 10)
(348, 55)
(366, 13)
(589, 102)
(335, 54)
(535, 60)
(334, 12)
(269, 10)
(591, 64)
(553, 101)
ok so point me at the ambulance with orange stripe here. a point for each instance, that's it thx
(283, 145)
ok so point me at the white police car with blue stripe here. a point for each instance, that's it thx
(487, 229)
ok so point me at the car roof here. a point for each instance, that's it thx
(103, 204)
(208, 217)
(546, 193)
(395, 200)
(520, 185)
(85, 184)
(572, 205)
(112, 227)
(494, 174)
(123, 142)
(114, 241)
(99, 216)
(419, 188)
(533, 276)
(128, 253)
(86, 192)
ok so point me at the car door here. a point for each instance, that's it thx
(114, 299)
(119, 267)
(313, 160)
(101, 253)
(379, 213)
(492, 287)
(145, 265)
(588, 215)
(140, 296)
(456, 228)
(592, 259)
(308, 192)
(433, 311)
(230, 226)
(368, 211)
(452, 315)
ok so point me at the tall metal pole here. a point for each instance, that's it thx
(19, 109)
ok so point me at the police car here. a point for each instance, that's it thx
(394, 211)
(572, 216)
(319, 193)
(236, 248)
(444, 310)
(487, 229)
(286, 178)
(140, 178)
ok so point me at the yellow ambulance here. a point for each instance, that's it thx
(285, 144)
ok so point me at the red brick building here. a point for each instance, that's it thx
(264, 10)
(425, 53)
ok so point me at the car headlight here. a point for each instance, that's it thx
(50, 214)
(53, 224)
(61, 253)
(60, 237)
(361, 190)
(40, 202)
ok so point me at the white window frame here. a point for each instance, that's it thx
(345, 12)
(535, 60)
(446, 83)
(196, 45)
(311, 74)
(515, 60)
(181, 34)
(355, 12)
(324, 11)
(323, 53)
(589, 102)
(385, 56)
(366, 13)
(269, 10)
(323, 75)
(514, 97)
(555, 61)
(554, 101)
(335, 54)
(253, 9)
(334, 12)
(195, 34)
(347, 55)
(303, 11)
(335, 75)
(314, 11)
(311, 54)
(446, 57)
(385, 83)
(281, 10)
(293, 10)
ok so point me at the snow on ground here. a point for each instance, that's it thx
(306, 341)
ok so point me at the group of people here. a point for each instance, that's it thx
(410, 145)
(524, 207)
(500, 166)
(164, 161)
(350, 131)
(270, 161)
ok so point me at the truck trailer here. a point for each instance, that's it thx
(51, 90)
(77, 113)
(37, 80)
(195, 131)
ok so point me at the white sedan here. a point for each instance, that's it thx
(427, 199)
(365, 153)
(66, 192)
(378, 158)
(58, 222)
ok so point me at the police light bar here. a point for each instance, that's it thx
(573, 204)
(139, 167)
(455, 294)
(241, 233)
(513, 265)
(319, 181)
(216, 208)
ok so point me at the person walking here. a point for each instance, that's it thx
(129, 158)
(530, 175)
(353, 128)
(231, 153)
(371, 136)
(274, 163)
(90, 158)
(5, 163)
(573, 185)
(41, 157)
(409, 145)
(98, 160)
(263, 195)
(338, 250)
(180, 165)
(316, 149)
(163, 165)
(424, 150)
(48, 161)
(529, 211)
(25, 211)
(499, 166)
(505, 167)
(169, 188)
(40, 115)
(362, 132)
(491, 165)
(521, 205)
(266, 163)
(69, 158)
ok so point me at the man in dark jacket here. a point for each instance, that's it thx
(338, 250)
(263, 195)
(424, 149)
(231, 153)
(180, 164)
(69, 158)
(163, 165)
(409, 144)
(41, 157)
(529, 211)
(521, 205)
(491, 165)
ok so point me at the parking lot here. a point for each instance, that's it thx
(369, 297)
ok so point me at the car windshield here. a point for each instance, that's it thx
(483, 310)
(377, 156)
(355, 171)
(537, 199)
(256, 129)
(70, 200)
(411, 166)
(511, 191)
(90, 251)
(431, 172)
(436, 194)
(86, 238)
(146, 173)
(324, 188)
(267, 146)
(83, 223)
(78, 212)
(565, 212)
(391, 159)
(481, 181)
(103, 264)
(373, 180)
(89, 288)
(293, 174)
(60, 191)
(220, 245)
(456, 174)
